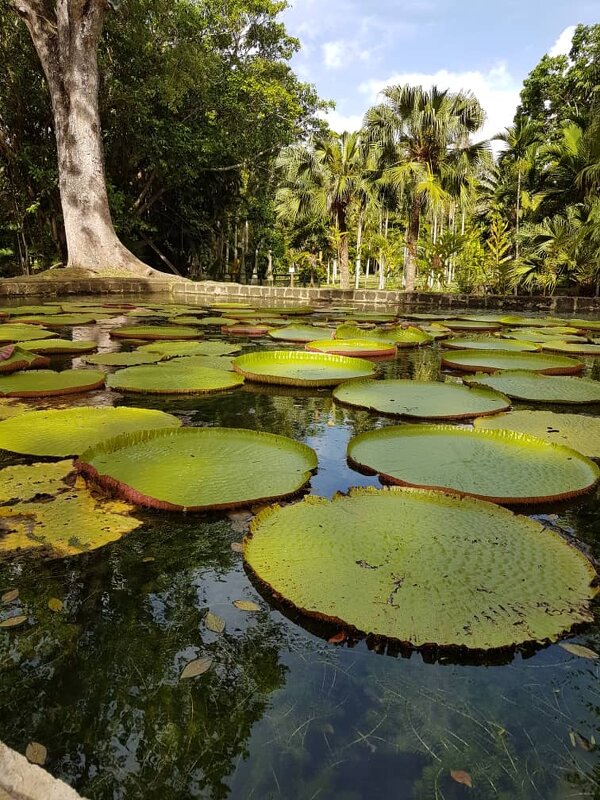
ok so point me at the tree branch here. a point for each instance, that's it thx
(241, 164)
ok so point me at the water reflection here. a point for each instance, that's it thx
(282, 714)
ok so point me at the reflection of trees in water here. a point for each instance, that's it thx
(99, 684)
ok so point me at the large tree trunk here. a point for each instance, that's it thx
(67, 45)
(412, 238)
(343, 249)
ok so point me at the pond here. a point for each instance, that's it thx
(283, 712)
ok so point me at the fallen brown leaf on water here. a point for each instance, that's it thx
(246, 605)
(36, 753)
(214, 623)
(580, 741)
(197, 667)
(9, 596)
(460, 776)
(237, 547)
(338, 638)
(12, 622)
(578, 650)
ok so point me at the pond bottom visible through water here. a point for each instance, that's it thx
(282, 713)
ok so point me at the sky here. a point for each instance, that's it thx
(351, 49)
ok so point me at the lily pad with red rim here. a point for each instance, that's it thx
(200, 468)
(497, 465)
(301, 368)
(45, 382)
(497, 360)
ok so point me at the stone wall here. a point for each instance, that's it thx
(207, 291)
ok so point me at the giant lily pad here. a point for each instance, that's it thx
(501, 466)
(471, 325)
(200, 468)
(155, 332)
(582, 349)
(45, 382)
(177, 349)
(301, 333)
(574, 430)
(534, 335)
(423, 568)
(372, 316)
(173, 378)
(353, 332)
(216, 321)
(58, 320)
(491, 343)
(518, 321)
(214, 362)
(297, 368)
(373, 348)
(585, 324)
(247, 329)
(407, 337)
(68, 522)
(540, 388)
(67, 432)
(11, 332)
(133, 359)
(13, 359)
(494, 361)
(60, 346)
(420, 399)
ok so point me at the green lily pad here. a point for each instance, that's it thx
(491, 343)
(227, 306)
(421, 399)
(60, 346)
(517, 321)
(373, 348)
(12, 332)
(45, 382)
(68, 522)
(471, 325)
(200, 468)
(497, 465)
(173, 378)
(288, 311)
(372, 316)
(216, 321)
(348, 332)
(527, 335)
(573, 430)
(133, 359)
(14, 359)
(58, 320)
(14, 311)
(184, 320)
(406, 337)
(298, 368)
(481, 317)
(67, 432)
(11, 409)
(155, 332)
(401, 337)
(246, 330)
(213, 362)
(537, 388)
(453, 573)
(177, 349)
(494, 361)
(301, 333)
(585, 324)
(583, 349)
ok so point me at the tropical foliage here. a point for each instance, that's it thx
(219, 164)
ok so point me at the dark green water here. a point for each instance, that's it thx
(282, 714)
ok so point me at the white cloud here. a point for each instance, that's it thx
(562, 45)
(343, 122)
(496, 90)
(341, 53)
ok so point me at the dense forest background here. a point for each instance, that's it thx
(220, 165)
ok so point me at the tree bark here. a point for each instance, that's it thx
(343, 250)
(67, 45)
(412, 237)
(359, 233)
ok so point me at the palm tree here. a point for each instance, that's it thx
(520, 156)
(424, 139)
(324, 179)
